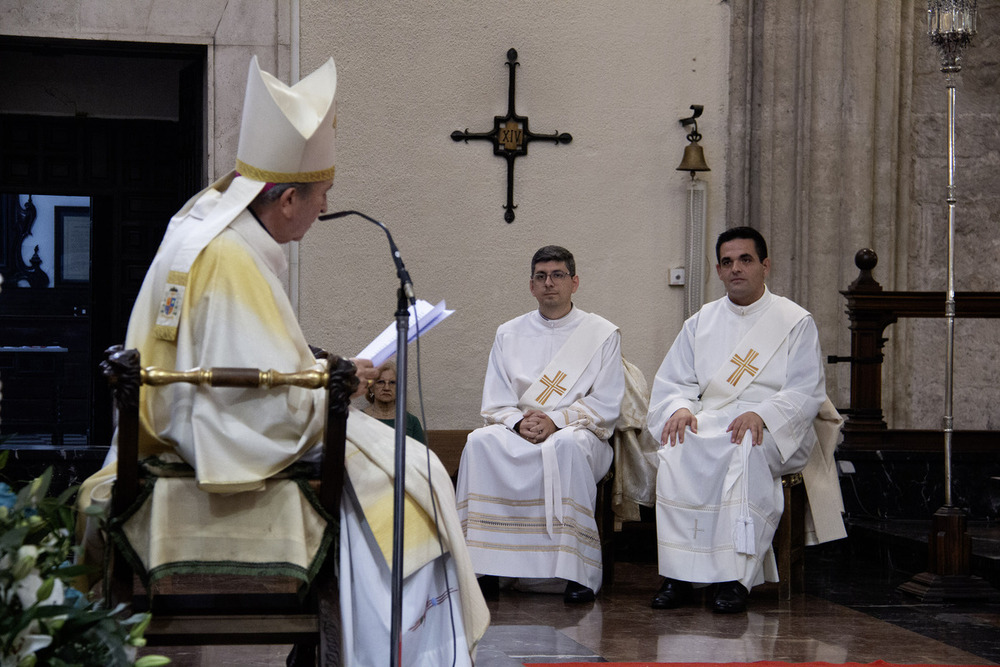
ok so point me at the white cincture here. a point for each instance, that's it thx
(744, 540)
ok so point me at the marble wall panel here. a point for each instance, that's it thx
(22, 18)
(911, 486)
(252, 23)
(919, 398)
(231, 63)
(116, 16)
(173, 18)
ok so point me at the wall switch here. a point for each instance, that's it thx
(676, 276)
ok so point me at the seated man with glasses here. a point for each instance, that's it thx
(527, 482)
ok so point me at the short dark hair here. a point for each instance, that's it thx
(742, 233)
(274, 193)
(554, 253)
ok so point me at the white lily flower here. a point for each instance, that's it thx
(27, 556)
(27, 642)
(27, 551)
(27, 591)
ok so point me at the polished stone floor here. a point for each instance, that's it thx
(851, 612)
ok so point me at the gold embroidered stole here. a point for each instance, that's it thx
(559, 377)
(752, 353)
(568, 364)
(200, 221)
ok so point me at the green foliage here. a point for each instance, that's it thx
(43, 620)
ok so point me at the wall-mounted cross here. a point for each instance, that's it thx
(511, 136)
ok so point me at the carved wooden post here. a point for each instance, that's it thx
(343, 381)
(867, 327)
(121, 368)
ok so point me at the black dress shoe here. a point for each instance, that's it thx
(576, 593)
(730, 598)
(672, 594)
(489, 584)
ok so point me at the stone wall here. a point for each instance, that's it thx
(838, 142)
(919, 345)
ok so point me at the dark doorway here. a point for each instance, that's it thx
(119, 128)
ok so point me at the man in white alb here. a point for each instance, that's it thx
(527, 482)
(733, 406)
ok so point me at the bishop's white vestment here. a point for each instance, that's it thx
(528, 509)
(233, 312)
(707, 484)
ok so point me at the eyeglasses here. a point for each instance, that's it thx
(383, 383)
(556, 276)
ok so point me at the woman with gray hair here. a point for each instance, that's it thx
(381, 396)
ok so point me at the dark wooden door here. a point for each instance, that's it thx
(137, 173)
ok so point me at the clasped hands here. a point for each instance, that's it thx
(673, 430)
(535, 426)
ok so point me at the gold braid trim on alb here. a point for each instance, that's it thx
(177, 278)
(265, 176)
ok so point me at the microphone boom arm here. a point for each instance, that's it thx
(404, 276)
(404, 293)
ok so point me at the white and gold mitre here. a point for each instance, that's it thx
(288, 134)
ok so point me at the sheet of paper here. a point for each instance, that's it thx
(384, 345)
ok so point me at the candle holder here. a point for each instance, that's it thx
(951, 24)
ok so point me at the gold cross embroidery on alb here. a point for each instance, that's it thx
(551, 386)
(744, 365)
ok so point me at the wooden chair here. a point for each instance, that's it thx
(604, 516)
(228, 617)
(789, 541)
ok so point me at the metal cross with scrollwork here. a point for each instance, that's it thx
(510, 136)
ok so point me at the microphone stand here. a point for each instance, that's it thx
(399, 489)
(404, 295)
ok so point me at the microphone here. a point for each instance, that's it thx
(401, 272)
(334, 216)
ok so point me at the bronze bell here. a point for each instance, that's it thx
(694, 159)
